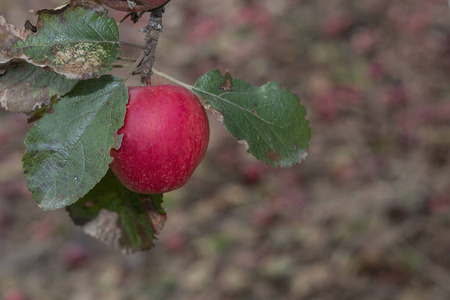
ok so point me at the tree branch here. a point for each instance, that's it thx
(152, 32)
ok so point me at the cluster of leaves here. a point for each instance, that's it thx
(60, 65)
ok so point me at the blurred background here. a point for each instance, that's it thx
(365, 216)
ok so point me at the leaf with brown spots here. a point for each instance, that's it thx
(10, 36)
(75, 42)
(268, 121)
(26, 88)
(119, 217)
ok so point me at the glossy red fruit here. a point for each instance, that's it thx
(134, 5)
(165, 136)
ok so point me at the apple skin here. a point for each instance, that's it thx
(141, 5)
(165, 137)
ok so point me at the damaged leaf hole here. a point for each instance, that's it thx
(227, 86)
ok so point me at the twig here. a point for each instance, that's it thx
(152, 31)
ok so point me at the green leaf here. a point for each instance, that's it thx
(119, 217)
(77, 43)
(68, 150)
(269, 121)
(26, 87)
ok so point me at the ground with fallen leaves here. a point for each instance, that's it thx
(365, 216)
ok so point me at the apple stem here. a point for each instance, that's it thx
(183, 84)
(152, 32)
(174, 80)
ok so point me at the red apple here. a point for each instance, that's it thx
(134, 5)
(165, 136)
